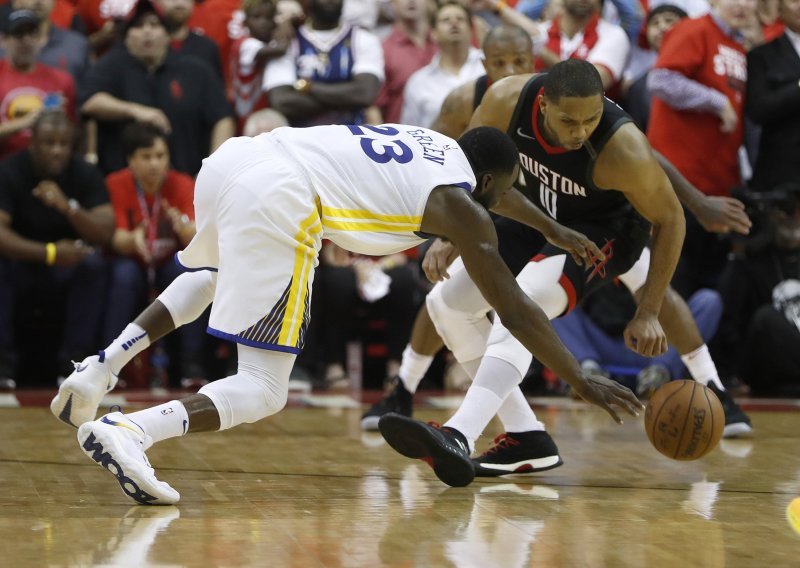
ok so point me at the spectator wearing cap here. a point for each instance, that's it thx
(64, 49)
(643, 56)
(773, 101)
(27, 86)
(145, 81)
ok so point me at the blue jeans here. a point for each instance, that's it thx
(72, 295)
(587, 341)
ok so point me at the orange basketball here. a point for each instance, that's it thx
(684, 420)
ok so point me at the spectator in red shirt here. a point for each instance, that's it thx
(698, 87)
(408, 48)
(25, 85)
(185, 41)
(154, 217)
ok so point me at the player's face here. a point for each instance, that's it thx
(570, 122)
(736, 13)
(658, 26)
(790, 14)
(51, 147)
(506, 58)
(494, 187)
(149, 165)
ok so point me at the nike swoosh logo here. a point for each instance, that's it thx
(79, 368)
(521, 133)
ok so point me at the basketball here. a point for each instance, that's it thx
(684, 420)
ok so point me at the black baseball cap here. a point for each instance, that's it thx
(21, 19)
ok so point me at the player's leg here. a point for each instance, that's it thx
(183, 301)
(118, 441)
(682, 332)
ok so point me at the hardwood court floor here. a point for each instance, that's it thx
(307, 489)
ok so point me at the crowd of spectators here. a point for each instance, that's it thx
(108, 107)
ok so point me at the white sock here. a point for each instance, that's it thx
(517, 415)
(702, 367)
(132, 341)
(413, 367)
(478, 408)
(168, 420)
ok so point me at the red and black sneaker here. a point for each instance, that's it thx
(445, 449)
(515, 453)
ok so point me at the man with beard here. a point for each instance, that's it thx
(182, 39)
(54, 211)
(331, 72)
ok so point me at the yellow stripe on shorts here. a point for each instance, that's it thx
(363, 220)
(303, 263)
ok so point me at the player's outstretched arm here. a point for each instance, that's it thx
(716, 214)
(457, 217)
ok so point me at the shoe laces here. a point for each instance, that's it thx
(501, 442)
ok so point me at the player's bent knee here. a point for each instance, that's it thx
(504, 346)
(464, 333)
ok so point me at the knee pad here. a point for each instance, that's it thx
(465, 333)
(541, 282)
(504, 346)
(189, 295)
(259, 389)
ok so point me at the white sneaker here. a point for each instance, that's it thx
(81, 393)
(118, 444)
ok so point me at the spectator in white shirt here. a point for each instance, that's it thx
(456, 63)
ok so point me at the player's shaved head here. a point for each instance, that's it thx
(500, 35)
(572, 78)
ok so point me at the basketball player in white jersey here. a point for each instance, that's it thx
(263, 206)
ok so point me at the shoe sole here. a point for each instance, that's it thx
(737, 429)
(525, 467)
(63, 406)
(102, 447)
(413, 440)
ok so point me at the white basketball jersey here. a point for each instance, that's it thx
(373, 182)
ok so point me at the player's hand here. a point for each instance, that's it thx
(644, 335)
(722, 215)
(728, 118)
(607, 394)
(439, 256)
(583, 250)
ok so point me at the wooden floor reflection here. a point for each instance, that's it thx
(307, 489)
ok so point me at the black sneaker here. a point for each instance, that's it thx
(737, 423)
(444, 449)
(399, 401)
(518, 453)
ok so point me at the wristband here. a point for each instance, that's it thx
(50, 254)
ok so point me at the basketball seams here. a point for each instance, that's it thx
(685, 420)
(661, 407)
